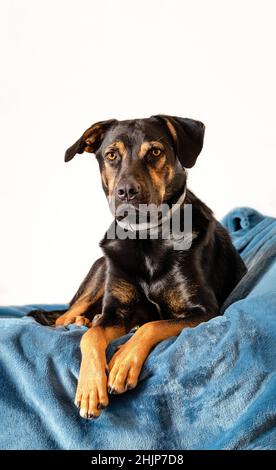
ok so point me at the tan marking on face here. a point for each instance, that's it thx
(170, 173)
(172, 130)
(162, 192)
(146, 146)
(108, 178)
(108, 175)
(124, 291)
(158, 176)
(117, 145)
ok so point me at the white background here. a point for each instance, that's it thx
(68, 63)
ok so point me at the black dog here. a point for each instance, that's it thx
(145, 282)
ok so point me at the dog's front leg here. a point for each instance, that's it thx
(91, 395)
(127, 362)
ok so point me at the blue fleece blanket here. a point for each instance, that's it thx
(212, 387)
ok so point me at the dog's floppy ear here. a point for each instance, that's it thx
(187, 135)
(90, 140)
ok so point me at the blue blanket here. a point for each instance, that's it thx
(212, 387)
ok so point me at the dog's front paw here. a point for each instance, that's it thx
(125, 366)
(91, 395)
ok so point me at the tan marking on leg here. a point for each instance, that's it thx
(91, 395)
(80, 307)
(77, 309)
(127, 362)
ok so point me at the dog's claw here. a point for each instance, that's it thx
(84, 414)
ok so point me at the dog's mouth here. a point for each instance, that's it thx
(130, 211)
(138, 217)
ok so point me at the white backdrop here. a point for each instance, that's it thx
(68, 63)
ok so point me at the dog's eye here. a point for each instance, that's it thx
(156, 152)
(111, 156)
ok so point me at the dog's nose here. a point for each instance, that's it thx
(128, 190)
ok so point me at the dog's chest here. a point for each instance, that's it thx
(156, 272)
(166, 286)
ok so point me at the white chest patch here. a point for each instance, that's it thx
(150, 265)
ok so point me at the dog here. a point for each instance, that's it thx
(145, 283)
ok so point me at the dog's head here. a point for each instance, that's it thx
(142, 161)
